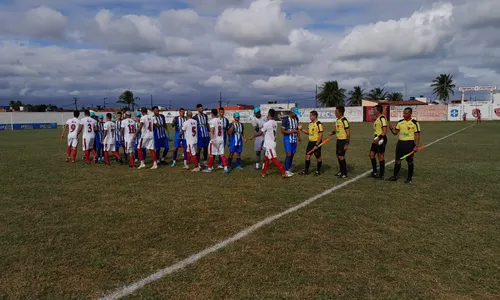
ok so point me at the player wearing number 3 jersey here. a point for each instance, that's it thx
(269, 132)
(72, 127)
(128, 131)
(88, 128)
(189, 131)
(147, 141)
(216, 146)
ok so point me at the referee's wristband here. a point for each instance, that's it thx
(380, 136)
(347, 142)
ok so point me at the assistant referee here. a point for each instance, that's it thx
(408, 131)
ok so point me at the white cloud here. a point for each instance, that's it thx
(44, 22)
(285, 81)
(74, 93)
(217, 81)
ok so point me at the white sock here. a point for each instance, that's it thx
(257, 165)
(185, 162)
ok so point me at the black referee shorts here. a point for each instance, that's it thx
(310, 146)
(403, 148)
(340, 147)
(379, 149)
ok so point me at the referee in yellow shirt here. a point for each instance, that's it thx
(343, 136)
(408, 131)
(315, 132)
(379, 143)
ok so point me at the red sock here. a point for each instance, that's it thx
(87, 156)
(74, 154)
(279, 166)
(117, 155)
(131, 160)
(188, 160)
(106, 157)
(69, 151)
(195, 160)
(224, 161)
(210, 161)
(94, 153)
(153, 153)
(266, 165)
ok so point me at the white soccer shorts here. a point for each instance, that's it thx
(110, 147)
(72, 142)
(191, 149)
(216, 148)
(271, 153)
(88, 144)
(148, 143)
(129, 147)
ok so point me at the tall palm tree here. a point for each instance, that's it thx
(377, 94)
(127, 98)
(356, 96)
(443, 86)
(331, 95)
(395, 96)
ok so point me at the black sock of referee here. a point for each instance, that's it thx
(374, 165)
(308, 164)
(318, 167)
(340, 165)
(410, 169)
(382, 168)
(397, 168)
(344, 167)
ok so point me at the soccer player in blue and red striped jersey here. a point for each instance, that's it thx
(160, 135)
(99, 135)
(290, 129)
(203, 134)
(225, 127)
(236, 139)
(179, 138)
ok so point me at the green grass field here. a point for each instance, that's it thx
(71, 231)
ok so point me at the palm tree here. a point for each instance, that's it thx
(356, 96)
(442, 86)
(395, 96)
(127, 98)
(331, 95)
(377, 94)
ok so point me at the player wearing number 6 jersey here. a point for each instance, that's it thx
(190, 131)
(72, 127)
(88, 127)
(128, 131)
(147, 141)
(269, 132)
(216, 146)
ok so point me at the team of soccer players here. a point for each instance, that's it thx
(196, 133)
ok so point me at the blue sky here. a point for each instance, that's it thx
(185, 52)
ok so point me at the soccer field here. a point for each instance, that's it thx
(71, 231)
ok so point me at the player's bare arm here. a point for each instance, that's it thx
(384, 133)
(80, 129)
(257, 134)
(244, 137)
(138, 130)
(348, 138)
(212, 133)
(231, 129)
(65, 128)
(393, 130)
(417, 141)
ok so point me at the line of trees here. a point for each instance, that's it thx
(331, 95)
(16, 106)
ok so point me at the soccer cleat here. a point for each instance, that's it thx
(209, 170)
(317, 173)
(220, 167)
(392, 178)
(408, 181)
(263, 175)
(289, 174)
(73, 161)
(174, 163)
(303, 173)
(342, 176)
(339, 174)
(186, 167)
(154, 167)
(374, 175)
(141, 166)
(195, 169)
(67, 159)
(136, 161)
(226, 171)
(239, 168)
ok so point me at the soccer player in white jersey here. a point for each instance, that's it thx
(88, 127)
(189, 131)
(269, 132)
(128, 131)
(147, 141)
(108, 140)
(216, 146)
(257, 123)
(72, 127)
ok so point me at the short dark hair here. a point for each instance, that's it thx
(410, 109)
(181, 109)
(109, 115)
(155, 107)
(199, 105)
(221, 108)
(118, 113)
(379, 108)
(144, 110)
(215, 112)
(314, 113)
(272, 113)
(76, 114)
(86, 112)
(341, 109)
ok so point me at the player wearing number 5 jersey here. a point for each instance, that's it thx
(269, 132)
(128, 131)
(72, 127)
(216, 145)
(190, 131)
(88, 128)
(147, 139)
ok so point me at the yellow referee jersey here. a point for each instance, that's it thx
(314, 129)
(407, 129)
(340, 127)
(379, 124)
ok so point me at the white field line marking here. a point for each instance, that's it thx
(129, 289)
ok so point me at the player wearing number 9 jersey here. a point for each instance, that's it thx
(88, 127)
(190, 131)
(216, 146)
(269, 132)
(128, 131)
(147, 138)
(72, 127)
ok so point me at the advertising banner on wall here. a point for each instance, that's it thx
(473, 109)
(455, 112)
(495, 111)
(370, 115)
(431, 113)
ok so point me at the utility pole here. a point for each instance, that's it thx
(169, 104)
(76, 102)
(220, 99)
(316, 96)
(104, 106)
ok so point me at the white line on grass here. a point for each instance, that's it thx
(129, 289)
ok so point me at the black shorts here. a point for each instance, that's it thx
(310, 146)
(403, 148)
(340, 147)
(379, 149)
